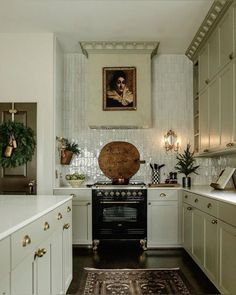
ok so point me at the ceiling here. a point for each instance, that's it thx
(171, 22)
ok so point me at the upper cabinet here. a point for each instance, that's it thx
(215, 121)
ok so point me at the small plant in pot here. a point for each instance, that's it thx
(186, 165)
(68, 150)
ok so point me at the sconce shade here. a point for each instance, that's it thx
(171, 141)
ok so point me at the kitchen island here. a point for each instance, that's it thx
(35, 244)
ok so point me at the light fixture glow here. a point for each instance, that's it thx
(171, 141)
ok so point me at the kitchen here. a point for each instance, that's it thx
(64, 114)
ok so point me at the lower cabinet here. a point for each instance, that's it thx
(5, 266)
(210, 241)
(163, 218)
(43, 267)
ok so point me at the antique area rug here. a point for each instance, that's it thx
(133, 282)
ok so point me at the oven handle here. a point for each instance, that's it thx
(119, 202)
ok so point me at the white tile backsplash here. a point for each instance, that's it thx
(172, 109)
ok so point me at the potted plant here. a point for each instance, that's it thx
(186, 165)
(68, 150)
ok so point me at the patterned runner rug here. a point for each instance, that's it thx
(133, 282)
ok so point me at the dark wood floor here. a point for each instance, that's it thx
(130, 256)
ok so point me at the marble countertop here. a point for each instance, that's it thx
(228, 196)
(18, 211)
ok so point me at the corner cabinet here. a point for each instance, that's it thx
(216, 85)
(82, 214)
(163, 218)
(209, 236)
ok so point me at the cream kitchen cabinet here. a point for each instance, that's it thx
(214, 52)
(203, 60)
(163, 218)
(204, 121)
(82, 214)
(5, 266)
(41, 254)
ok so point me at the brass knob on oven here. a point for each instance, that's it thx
(214, 221)
(66, 226)
(26, 241)
(59, 216)
(162, 195)
(68, 209)
(46, 225)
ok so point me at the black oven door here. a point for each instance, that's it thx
(119, 219)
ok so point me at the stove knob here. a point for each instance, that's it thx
(134, 194)
(128, 194)
(140, 193)
(123, 194)
(117, 194)
(112, 193)
(99, 194)
(106, 193)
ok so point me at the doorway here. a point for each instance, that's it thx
(20, 180)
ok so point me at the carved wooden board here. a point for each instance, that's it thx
(119, 160)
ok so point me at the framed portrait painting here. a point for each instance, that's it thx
(119, 88)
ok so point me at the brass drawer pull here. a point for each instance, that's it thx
(207, 81)
(214, 221)
(149, 203)
(231, 55)
(59, 216)
(162, 195)
(189, 208)
(186, 196)
(196, 200)
(68, 209)
(230, 144)
(66, 226)
(40, 252)
(88, 203)
(206, 151)
(209, 205)
(26, 241)
(46, 226)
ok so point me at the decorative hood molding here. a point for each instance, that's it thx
(215, 13)
(125, 47)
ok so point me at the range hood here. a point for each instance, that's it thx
(107, 58)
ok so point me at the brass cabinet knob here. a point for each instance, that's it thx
(46, 226)
(72, 195)
(162, 195)
(206, 151)
(66, 226)
(189, 208)
(231, 55)
(149, 203)
(214, 221)
(230, 144)
(39, 253)
(59, 216)
(186, 196)
(68, 209)
(196, 200)
(88, 203)
(209, 205)
(26, 241)
(207, 81)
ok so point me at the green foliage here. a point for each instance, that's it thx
(26, 144)
(186, 162)
(72, 146)
(75, 176)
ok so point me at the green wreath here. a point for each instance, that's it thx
(24, 144)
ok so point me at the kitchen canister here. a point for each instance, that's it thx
(155, 176)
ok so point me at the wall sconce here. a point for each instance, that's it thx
(171, 141)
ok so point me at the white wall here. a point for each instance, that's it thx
(26, 75)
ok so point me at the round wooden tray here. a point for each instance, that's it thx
(119, 161)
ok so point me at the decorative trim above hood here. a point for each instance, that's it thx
(126, 47)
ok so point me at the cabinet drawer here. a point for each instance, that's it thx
(163, 194)
(4, 256)
(188, 197)
(227, 213)
(61, 215)
(208, 205)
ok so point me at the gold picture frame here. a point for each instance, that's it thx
(119, 88)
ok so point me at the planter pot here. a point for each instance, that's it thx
(186, 181)
(66, 157)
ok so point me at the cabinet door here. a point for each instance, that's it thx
(162, 223)
(226, 38)
(82, 222)
(227, 258)
(187, 227)
(227, 104)
(5, 285)
(214, 53)
(214, 114)
(67, 253)
(203, 67)
(42, 269)
(203, 121)
(198, 235)
(211, 241)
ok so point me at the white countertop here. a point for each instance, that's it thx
(228, 196)
(18, 211)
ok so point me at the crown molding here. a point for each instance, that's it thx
(119, 47)
(215, 13)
